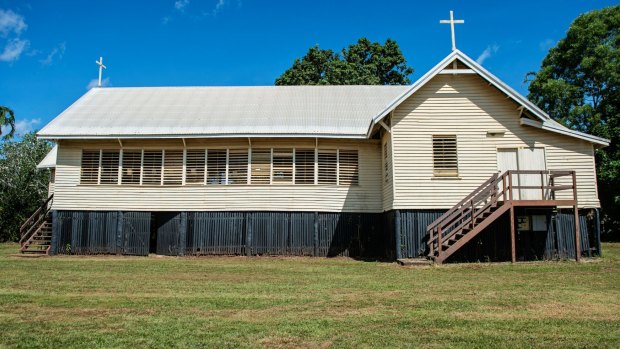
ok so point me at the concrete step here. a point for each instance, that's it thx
(421, 261)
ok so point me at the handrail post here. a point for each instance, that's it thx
(542, 186)
(504, 187)
(509, 185)
(472, 213)
(430, 240)
(513, 248)
(439, 241)
(576, 211)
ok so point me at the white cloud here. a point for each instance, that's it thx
(180, 5)
(26, 125)
(11, 22)
(93, 83)
(13, 49)
(57, 52)
(199, 10)
(11, 27)
(218, 7)
(488, 52)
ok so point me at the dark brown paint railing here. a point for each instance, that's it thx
(494, 191)
(34, 221)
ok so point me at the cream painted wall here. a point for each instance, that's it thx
(365, 197)
(465, 105)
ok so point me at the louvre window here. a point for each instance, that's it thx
(109, 166)
(131, 166)
(90, 167)
(261, 166)
(173, 167)
(216, 166)
(238, 166)
(195, 166)
(221, 166)
(328, 170)
(282, 166)
(304, 166)
(151, 167)
(445, 163)
(348, 168)
(52, 175)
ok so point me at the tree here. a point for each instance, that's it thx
(579, 85)
(7, 118)
(363, 63)
(22, 187)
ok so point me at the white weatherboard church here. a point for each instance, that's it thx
(457, 166)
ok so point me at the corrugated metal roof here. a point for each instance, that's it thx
(128, 112)
(49, 161)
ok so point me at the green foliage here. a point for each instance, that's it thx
(7, 118)
(363, 63)
(579, 85)
(22, 187)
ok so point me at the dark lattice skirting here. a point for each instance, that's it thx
(493, 244)
(220, 233)
(389, 235)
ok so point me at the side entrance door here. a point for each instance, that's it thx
(523, 159)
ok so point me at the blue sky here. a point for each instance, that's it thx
(48, 48)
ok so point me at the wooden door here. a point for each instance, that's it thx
(508, 159)
(523, 159)
(531, 159)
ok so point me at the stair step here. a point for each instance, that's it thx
(413, 261)
(38, 242)
(37, 245)
(42, 250)
(34, 251)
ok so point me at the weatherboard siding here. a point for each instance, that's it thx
(465, 105)
(365, 197)
(386, 171)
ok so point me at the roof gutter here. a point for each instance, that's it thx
(194, 136)
(566, 131)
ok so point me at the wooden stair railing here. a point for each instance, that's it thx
(40, 242)
(35, 233)
(486, 204)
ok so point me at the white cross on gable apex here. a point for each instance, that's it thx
(101, 67)
(452, 22)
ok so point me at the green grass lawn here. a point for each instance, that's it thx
(154, 302)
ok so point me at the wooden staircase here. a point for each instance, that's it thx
(491, 200)
(36, 232)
